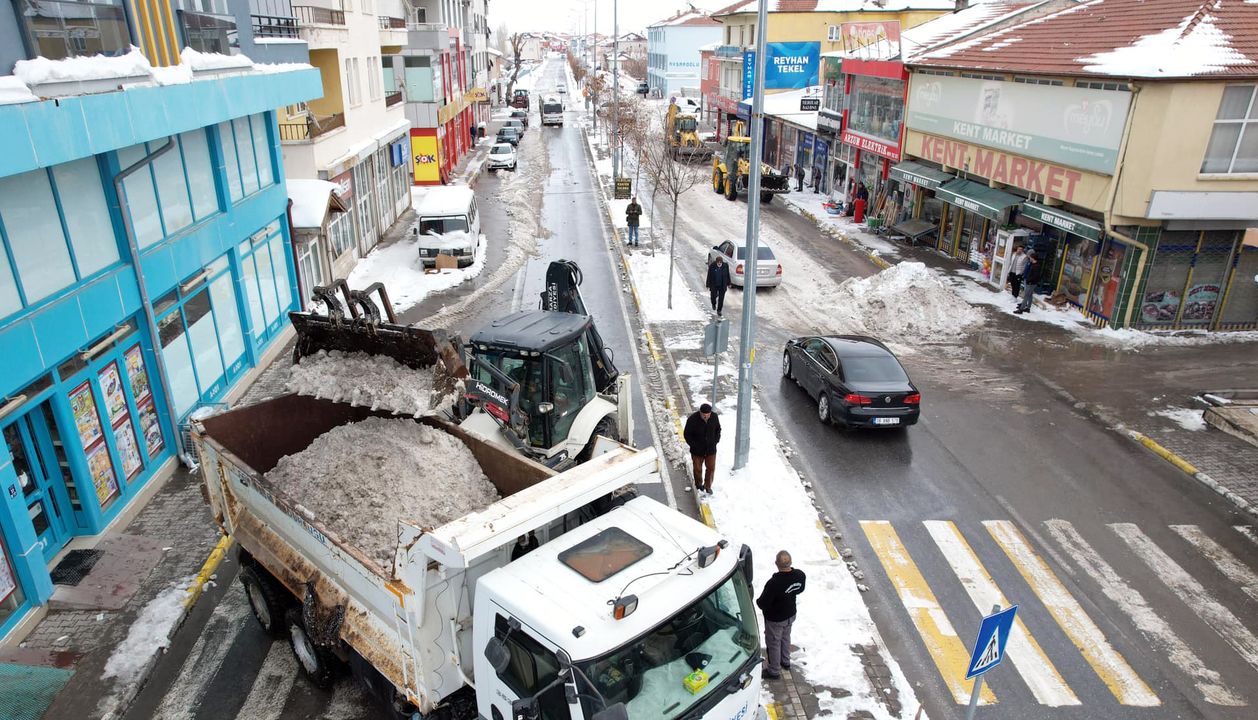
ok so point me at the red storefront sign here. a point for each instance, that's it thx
(727, 105)
(885, 35)
(878, 147)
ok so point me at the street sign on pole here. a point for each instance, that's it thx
(989, 650)
(715, 342)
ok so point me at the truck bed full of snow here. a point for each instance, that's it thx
(360, 479)
(375, 381)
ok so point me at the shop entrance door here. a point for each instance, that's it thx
(33, 442)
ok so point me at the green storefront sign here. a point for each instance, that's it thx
(1062, 220)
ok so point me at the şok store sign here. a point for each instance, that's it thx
(788, 66)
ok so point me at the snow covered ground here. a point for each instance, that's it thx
(832, 614)
(148, 635)
(403, 275)
(1186, 418)
(650, 278)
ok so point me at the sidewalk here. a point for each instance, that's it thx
(1155, 400)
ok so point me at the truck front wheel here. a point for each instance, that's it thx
(317, 662)
(731, 189)
(267, 600)
(607, 427)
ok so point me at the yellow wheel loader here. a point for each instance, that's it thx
(735, 158)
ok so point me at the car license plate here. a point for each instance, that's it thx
(886, 421)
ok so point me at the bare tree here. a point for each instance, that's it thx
(517, 47)
(672, 178)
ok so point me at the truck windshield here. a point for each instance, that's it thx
(718, 634)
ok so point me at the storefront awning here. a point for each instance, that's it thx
(1063, 220)
(980, 199)
(919, 174)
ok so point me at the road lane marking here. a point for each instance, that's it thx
(1028, 657)
(1247, 531)
(1219, 618)
(1226, 562)
(1142, 615)
(1109, 665)
(271, 685)
(945, 648)
(184, 696)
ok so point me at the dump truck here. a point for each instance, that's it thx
(569, 597)
(731, 169)
(682, 130)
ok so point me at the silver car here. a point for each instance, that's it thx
(734, 253)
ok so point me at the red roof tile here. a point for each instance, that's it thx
(1118, 38)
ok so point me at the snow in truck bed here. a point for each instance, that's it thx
(375, 381)
(360, 479)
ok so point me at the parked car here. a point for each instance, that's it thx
(514, 123)
(643, 89)
(856, 381)
(562, 89)
(448, 224)
(508, 135)
(521, 115)
(501, 155)
(734, 252)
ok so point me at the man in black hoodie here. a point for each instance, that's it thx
(777, 602)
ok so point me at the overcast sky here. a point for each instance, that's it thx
(569, 15)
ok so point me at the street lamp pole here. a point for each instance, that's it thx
(746, 340)
(616, 88)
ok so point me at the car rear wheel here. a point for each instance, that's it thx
(786, 366)
(823, 408)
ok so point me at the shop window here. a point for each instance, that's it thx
(227, 139)
(146, 223)
(172, 189)
(91, 229)
(11, 597)
(32, 227)
(245, 154)
(877, 108)
(1241, 307)
(196, 157)
(283, 290)
(202, 341)
(178, 359)
(1233, 146)
(262, 149)
(10, 301)
(227, 317)
(266, 281)
(203, 336)
(1109, 279)
(418, 76)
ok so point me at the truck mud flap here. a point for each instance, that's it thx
(323, 626)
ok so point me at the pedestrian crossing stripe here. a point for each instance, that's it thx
(1248, 531)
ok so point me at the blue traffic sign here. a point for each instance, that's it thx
(989, 648)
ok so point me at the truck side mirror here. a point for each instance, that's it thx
(613, 712)
(498, 655)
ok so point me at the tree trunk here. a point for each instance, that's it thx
(672, 246)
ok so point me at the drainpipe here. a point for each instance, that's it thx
(133, 248)
(1109, 210)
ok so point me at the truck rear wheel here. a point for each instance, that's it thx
(268, 601)
(731, 189)
(317, 662)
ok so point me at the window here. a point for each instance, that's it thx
(32, 227)
(208, 26)
(1233, 146)
(57, 30)
(90, 227)
(1096, 85)
(172, 189)
(341, 234)
(877, 107)
(531, 668)
(310, 267)
(262, 149)
(981, 76)
(373, 78)
(265, 277)
(1036, 81)
(247, 154)
(199, 329)
(929, 71)
(196, 158)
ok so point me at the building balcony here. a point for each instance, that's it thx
(427, 36)
(310, 128)
(392, 31)
(322, 27)
(311, 15)
(393, 98)
(272, 26)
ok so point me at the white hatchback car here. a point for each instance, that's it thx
(734, 253)
(501, 155)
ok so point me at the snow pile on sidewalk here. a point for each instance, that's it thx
(375, 381)
(905, 300)
(360, 479)
(650, 277)
(832, 614)
(810, 203)
(399, 268)
(1186, 418)
(148, 635)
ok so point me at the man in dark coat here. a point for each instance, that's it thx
(702, 433)
(777, 602)
(799, 177)
(1030, 278)
(633, 211)
(718, 283)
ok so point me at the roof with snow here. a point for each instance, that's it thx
(691, 17)
(945, 28)
(785, 105)
(803, 6)
(1118, 38)
(311, 200)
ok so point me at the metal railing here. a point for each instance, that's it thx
(419, 26)
(393, 98)
(274, 26)
(311, 15)
(392, 23)
(311, 127)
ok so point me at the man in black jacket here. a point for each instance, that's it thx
(717, 283)
(702, 433)
(1030, 278)
(633, 215)
(777, 602)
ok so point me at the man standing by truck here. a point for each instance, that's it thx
(702, 433)
(777, 602)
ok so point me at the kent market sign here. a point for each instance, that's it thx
(1076, 127)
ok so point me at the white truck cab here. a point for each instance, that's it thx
(447, 224)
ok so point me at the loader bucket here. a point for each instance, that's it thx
(365, 331)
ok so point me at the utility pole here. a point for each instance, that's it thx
(616, 88)
(746, 340)
(593, 74)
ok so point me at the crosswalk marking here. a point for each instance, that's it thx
(271, 685)
(225, 623)
(1207, 608)
(1247, 531)
(1234, 569)
(1109, 665)
(945, 648)
(1127, 598)
(1026, 654)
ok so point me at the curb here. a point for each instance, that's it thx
(208, 568)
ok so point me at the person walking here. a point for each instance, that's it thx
(1017, 266)
(717, 283)
(777, 602)
(702, 433)
(799, 177)
(1030, 278)
(633, 211)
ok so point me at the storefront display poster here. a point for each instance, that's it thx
(136, 374)
(7, 582)
(1109, 276)
(151, 429)
(86, 420)
(1200, 301)
(1159, 306)
(128, 449)
(102, 472)
(111, 388)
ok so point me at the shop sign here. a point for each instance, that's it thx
(858, 35)
(424, 158)
(787, 66)
(821, 149)
(727, 105)
(811, 104)
(1044, 178)
(1072, 224)
(749, 73)
(477, 95)
(1077, 127)
(345, 185)
(878, 147)
(832, 69)
(828, 123)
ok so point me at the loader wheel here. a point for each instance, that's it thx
(606, 427)
(317, 662)
(268, 601)
(731, 189)
(718, 181)
(766, 198)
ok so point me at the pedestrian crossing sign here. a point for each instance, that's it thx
(989, 648)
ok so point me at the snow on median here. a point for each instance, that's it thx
(375, 381)
(650, 278)
(832, 614)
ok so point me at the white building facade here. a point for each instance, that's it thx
(673, 51)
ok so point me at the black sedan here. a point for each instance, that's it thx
(508, 135)
(856, 380)
(521, 115)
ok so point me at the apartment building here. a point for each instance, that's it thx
(673, 51)
(145, 257)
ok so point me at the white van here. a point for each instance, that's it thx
(552, 111)
(448, 224)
